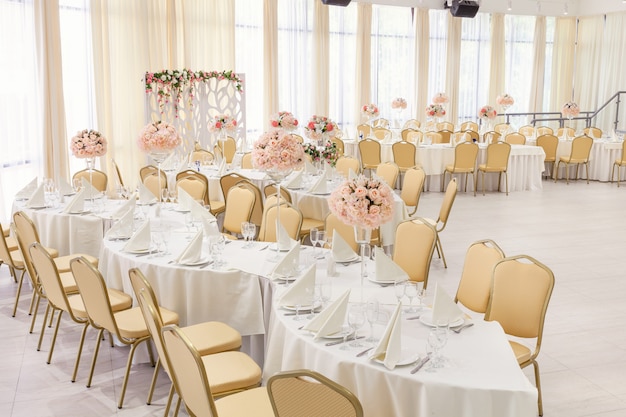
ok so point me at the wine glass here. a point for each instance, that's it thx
(77, 184)
(437, 339)
(248, 230)
(313, 238)
(217, 244)
(372, 308)
(356, 320)
(165, 195)
(172, 195)
(303, 300)
(321, 238)
(421, 295)
(398, 288)
(410, 289)
(326, 291)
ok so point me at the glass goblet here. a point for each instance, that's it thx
(437, 339)
(356, 320)
(398, 288)
(321, 238)
(372, 308)
(410, 289)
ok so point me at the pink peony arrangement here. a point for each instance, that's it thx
(223, 122)
(398, 103)
(277, 150)
(435, 110)
(570, 109)
(88, 144)
(487, 112)
(505, 100)
(158, 137)
(370, 110)
(440, 98)
(362, 202)
(328, 154)
(285, 120)
(318, 126)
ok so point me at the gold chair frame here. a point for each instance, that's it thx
(581, 148)
(413, 248)
(497, 162)
(619, 163)
(549, 143)
(369, 150)
(97, 179)
(444, 214)
(465, 155)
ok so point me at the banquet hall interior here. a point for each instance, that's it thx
(71, 65)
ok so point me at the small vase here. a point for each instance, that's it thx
(362, 236)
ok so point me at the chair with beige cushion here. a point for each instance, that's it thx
(369, 150)
(515, 139)
(290, 218)
(346, 231)
(520, 293)
(566, 131)
(619, 163)
(549, 143)
(14, 260)
(544, 130)
(527, 130)
(339, 145)
(433, 137)
(592, 132)
(246, 161)
(382, 134)
(96, 178)
(404, 155)
(497, 162)
(118, 174)
(469, 126)
(309, 393)
(239, 205)
(491, 137)
(444, 214)
(411, 124)
(193, 379)
(150, 178)
(388, 172)
(195, 184)
(413, 248)
(404, 133)
(415, 136)
(346, 163)
(200, 154)
(581, 148)
(227, 148)
(270, 189)
(363, 131)
(380, 122)
(502, 128)
(445, 135)
(412, 187)
(445, 126)
(465, 155)
(475, 284)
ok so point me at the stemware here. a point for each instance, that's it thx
(248, 230)
(356, 320)
(398, 288)
(313, 238)
(437, 339)
(165, 195)
(372, 309)
(411, 291)
(321, 239)
(326, 291)
(217, 245)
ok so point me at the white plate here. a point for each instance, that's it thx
(80, 212)
(37, 207)
(427, 319)
(284, 278)
(326, 193)
(139, 251)
(181, 210)
(348, 260)
(384, 281)
(340, 335)
(150, 203)
(407, 357)
(199, 262)
(305, 308)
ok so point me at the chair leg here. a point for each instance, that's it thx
(170, 397)
(129, 363)
(54, 336)
(440, 250)
(95, 357)
(34, 313)
(506, 182)
(155, 374)
(587, 170)
(43, 327)
(555, 171)
(80, 351)
(538, 384)
(19, 290)
(178, 401)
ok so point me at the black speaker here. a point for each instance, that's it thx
(464, 8)
(343, 3)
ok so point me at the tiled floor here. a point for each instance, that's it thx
(576, 229)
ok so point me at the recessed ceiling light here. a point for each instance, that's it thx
(511, 5)
(565, 9)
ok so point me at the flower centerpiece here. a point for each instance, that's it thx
(435, 110)
(370, 111)
(319, 127)
(398, 103)
(158, 139)
(440, 98)
(487, 113)
(330, 154)
(505, 101)
(88, 144)
(285, 120)
(277, 151)
(221, 124)
(570, 110)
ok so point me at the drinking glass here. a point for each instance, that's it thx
(172, 195)
(77, 184)
(326, 291)
(248, 230)
(437, 339)
(305, 299)
(313, 238)
(421, 295)
(398, 288)
(321, 238)
(356, 320)
(410, 289)
(372, 309)
(217, 245)
(165, 195)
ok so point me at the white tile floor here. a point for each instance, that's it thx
(576, 229)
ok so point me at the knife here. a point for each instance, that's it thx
(340, 341)
(420, 364)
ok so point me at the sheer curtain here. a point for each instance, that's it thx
(422, 48)
(320, 58)
(498, 63)
(519, 34)
(453, 66)
(613, 76)
(437, 55)
(589, 51)
(535, 101)
(563, 62)
(363, 73)
(269, 59)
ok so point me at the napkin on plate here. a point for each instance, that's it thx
(90, 190)
(294, 181)
(210, 227)
(199, 212)
(221, 170)
(389, 349)
(184, 199)
(38, 199)
(285, 266)
(351, 174)
(140, 241)
(309, 168)
(320, 186)
(283, 240)
(65, 188)
(444, 308)
(301, 291)
(145, 195)
(330, 320)
(342, 252)
(128, 205)
(123, 228)
(193, 252)
(387, 269)
(77, 203)
(28, 190)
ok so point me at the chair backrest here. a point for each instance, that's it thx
(404, 133)
(339, 144)
(297, 137)
(194, 183)
(345, 163)
(363, 129)
(465, 155)
(388, 171)
(382, 133)
(520, 293)
(228, 148)
(445, 135)
(380, 122)
(593, 132)
(346, 231)
(515, 139)
(581, 147)
(246, 161)
(369, 150)
(290, 218)
(623, 155)
(434, 137)
(270, 189)
(566, 130)
(413, 248)
(491, 137)
(202, 155)
(118, 174)
(527, 130)
(446, 204)
(155, 185)
(96, 178)
(308, 393)
(5, 253)
(498, 155)
(239, 205)
(475, 284)
(26, 234)
(404, 154)
(469, 126)
(228, 181)
(445, 126)
(270, 201)
(257, 210)
(502, 128)
(415, 136)
(473, 134)
(412, 186)
(549, 143)
(188, 372)
(544, 130)
(48, 276)
(411, 124)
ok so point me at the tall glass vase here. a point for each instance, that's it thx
(91, 161)
(277, 176)
(362, 236)
(159, 157)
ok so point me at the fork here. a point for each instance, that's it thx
(460, 328)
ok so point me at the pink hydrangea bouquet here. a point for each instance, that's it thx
(370, 110)
(570, 109)
(318, 126)
(158, 137)
(284, 119)
(277, 150)
(398, 103)
(362, 202)
(88, 144)
(487, 112)
(223, 122)
(440, 98)
(505, 100)
(435, 110)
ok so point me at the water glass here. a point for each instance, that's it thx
(398, 288)
(356, 320)
(217, 245)
(411, 291)
(437, 339)
(372, 309)
(313, 239)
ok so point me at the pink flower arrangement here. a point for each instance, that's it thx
(277, 150)
(329, 154)
(284, 119)
(158, 137)
(505, 100)
(487, 112)
(570, 109)
(398, 103)
(223, 122)
(319, 126)
(362, 202)
(440, 98)
(88, 144)
(370, 110)
(435, 110)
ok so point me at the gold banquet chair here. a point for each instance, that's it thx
(502, 128)
(369, 150)
(527, 130)
(380, 122)
(444, 214)
(475, 285)
(195, 184)
(192, 380)
(388, 172)
(515, 139)
(445, 135)
(364, 131)
(382, 134)
(339, 145)
(14, 260)
(227, 148)
(549, 143)
(270, 189)
(246, 161)
(308, 393)
(297, 137)
(404, 133)
(290, 218)
(544, 130)
(469, 126)
(569, 131)
(412, 187)
(581, 148)
(416, 137)
(127, 325)
(150, 178)
(118, 174)
(345, 163)
(99, 179)
(445, 126)
(619, 163)
(520, 292)
(411, 124)
(332, 223)
(465, 155)
(404, 154)
(592, 132)
(200, 154)
(491, 137)
(497, 162)
(433, 137)
(413, 248)
(239, 205)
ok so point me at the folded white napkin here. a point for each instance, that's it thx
(210, 227)
(65, 188)
(77, 203)
(387, 269)
(331, 319)
(285, 266)
(342, 252)
(38, 198)
(123, 228)
(320, 186)
(351, 174)
(444, 308)
(145, 195)
(309, 168)
(184, 199)
(90, 190)
(328, 171)
(193, 252)
(283, 240)
(389, 349)
(301, 291)
(294, 181)
(614, 137)
(128, 205)
(221, 170)
(28, 190)
(199, 212)
(140, 241)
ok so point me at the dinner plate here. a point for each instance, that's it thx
(381, 281)
(315, 193)
(407, 357)
(37, 207)
(80, 212)
(181, 210)
(354, 258)
(150, 203)
(284, 278)
(198, 262)
(139, 251)
(427, 319)
(340, 335)
(304, 308)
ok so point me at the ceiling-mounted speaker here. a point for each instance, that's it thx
(464, 8)
(343, 3)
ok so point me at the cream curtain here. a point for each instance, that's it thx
(613, 78)
(453, 67)
(321, 56)
(496, 77)
(270, 59)
(538, 66)
(563, 62)
(589, 53)
(363, 74)
(422, 41)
